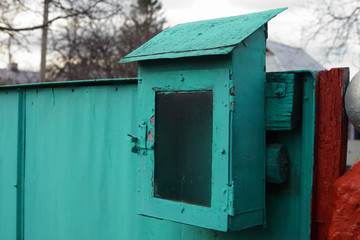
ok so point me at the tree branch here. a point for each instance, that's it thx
(85, 12)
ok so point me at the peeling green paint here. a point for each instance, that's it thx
(203, 38)
(283, 112)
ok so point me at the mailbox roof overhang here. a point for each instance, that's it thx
(211, 37)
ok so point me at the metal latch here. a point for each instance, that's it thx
(134, 139)
(139, 142)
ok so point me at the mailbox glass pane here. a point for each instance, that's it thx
(183, 146)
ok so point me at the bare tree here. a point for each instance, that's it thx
(85, 50)
(92, 49)
(336, 24)
(59, 9)
(144, 22)
(9, 12)
(14, 26)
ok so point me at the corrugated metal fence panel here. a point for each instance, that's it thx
(8, 163)
(80, 173)
(79, 167)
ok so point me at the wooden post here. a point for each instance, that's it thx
(44, 41)
(330, 146)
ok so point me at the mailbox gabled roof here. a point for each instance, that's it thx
(210, 37)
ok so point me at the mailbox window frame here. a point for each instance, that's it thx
(214, 216)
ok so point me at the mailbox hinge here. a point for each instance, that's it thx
(231, 208)
(232, 94)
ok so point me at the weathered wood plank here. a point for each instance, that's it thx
(276, 163)
(282, 101)
(330, 146)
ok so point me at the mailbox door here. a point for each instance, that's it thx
(183, 166)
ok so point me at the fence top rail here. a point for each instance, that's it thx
(90, 82)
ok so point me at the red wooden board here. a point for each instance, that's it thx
(330, 146)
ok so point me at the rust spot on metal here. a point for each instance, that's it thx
(153, 185)
(233, 104)
(132, 136)
(152, 120)
(150, 136)
(232, 91)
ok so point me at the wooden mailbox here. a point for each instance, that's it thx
(201, 139)
(209, 127)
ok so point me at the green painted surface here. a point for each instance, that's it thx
(8, 163)
(21, 132)
(80, 172)
(248, 131)
(241, 195)
(211, 37)
(283, 103)
(170, 80)
(79, 177)
(276, 164)
(92, 82)
(288, 205)
(238, 180)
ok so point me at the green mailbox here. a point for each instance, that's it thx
(201, 140)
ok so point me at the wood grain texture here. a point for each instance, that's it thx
(202, 38)
(282, 111)
(330, 146)
(276, 164)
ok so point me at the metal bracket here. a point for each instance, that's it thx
(142, 132)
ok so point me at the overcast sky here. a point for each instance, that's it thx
(286, 28)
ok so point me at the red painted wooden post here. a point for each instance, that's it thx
(330, 146)
(345, 223)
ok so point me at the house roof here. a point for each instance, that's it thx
(283, 57)
(210, 37)
(8, 76)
